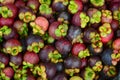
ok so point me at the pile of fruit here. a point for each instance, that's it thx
(59, 40)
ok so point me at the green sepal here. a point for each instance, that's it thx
(24, 30)
(27, 65)
(61, 30)
(55, 55)
(45, 9)
(84, 20)
(5, 12)
(84, 53)
(97, 3)
(5, 30)
(96, 18)
(2, 65)
(73, 7)
(48, 2)
(89, 74)
(3, 76)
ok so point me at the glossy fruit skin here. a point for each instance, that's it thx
(31, 57)
(114, 24)
(52, 29)
(73, 32)
(58, 6)
(86, 36)
(60, 76)
(93, 60)
(17, 60)
(76, 19)
(42, 22)
(84, 63)
(60, 67)
(65, 16)
(77, 48)
(108, 38)
(8, 71)
(11, 43)
(12, 35)
(50, 70)
(13, 8)
(43, 54)
(6, 21)
(19, 3)
(95, 51)
(34, 3)
(72, 62)
(4, 59)
(31, 77)
(63, 46)
(106, 56)
(116, 44)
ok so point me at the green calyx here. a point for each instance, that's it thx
(98, 66)
(96, 45)
(97, 3)
(13, 50)
(61, 31)
(84, 53)
(105, 29)
(71, 72)
(75, 78)
(78, 39)
(110, 70)
(35, 46)
(3, 76)
(48, 2)
(1, 1)
(27, 17)
(37, 29)
(96, 17)
(65, 2)
(115, 58)
(84, 20)
(45, 9)
(27, 65)
(48, 38)
(95, 37)
(40, 70)
(89, 74)
(2, 65)
(107, 13)
(55, 56)
(5, 12)
(5, 30)
(73, 7)
(23, 30)
(20, 74)
(13, 65)
(116, 15)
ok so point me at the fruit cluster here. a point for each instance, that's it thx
(59, 40)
